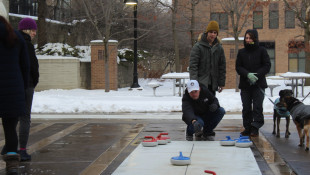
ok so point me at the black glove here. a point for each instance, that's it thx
(197, 127)
(213, 107)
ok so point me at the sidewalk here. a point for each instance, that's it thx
(97, 144)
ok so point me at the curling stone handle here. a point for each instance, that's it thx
(149, 137)
(210, 172)
(163, 133)
(228, 137)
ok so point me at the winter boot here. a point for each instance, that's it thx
(246, 132)
(254, 132)
(3, 151)
(24, 156)
(12, 163)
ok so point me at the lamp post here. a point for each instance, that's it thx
(135, 83)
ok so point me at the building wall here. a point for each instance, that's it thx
(97, 66)
(280, 36)
(58, 73)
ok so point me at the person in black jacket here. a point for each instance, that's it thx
(252, 64)
(14, 66)
(201, 111)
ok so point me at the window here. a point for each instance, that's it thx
(100, 54)
(274, 16)
(270, 47)
(289, 19)
(232, 54)
(222, 19)
(25, 7)
(296, 56)
(258, 19)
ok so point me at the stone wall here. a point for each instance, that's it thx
(58, 73)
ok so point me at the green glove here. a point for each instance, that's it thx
(252, 78)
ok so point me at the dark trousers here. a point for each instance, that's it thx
(25, 121)
(252, 103)
(208, 121)
(10, 134)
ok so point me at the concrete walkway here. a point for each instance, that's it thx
(97, 144)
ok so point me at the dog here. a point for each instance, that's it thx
(301, 117)
(281, 112)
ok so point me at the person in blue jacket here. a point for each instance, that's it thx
(252, 64)
(14, 68)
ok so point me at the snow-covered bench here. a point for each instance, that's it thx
(154, 85)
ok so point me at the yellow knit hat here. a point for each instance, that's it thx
(213, 26)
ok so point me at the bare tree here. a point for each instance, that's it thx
(238, 12)
(42, 37)
(174, 9)
(301, 8)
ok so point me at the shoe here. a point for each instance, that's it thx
(3, 151)
(24, 156)
(209, 136)
(246, 132)
(12, 163)
(254, 132)
(189, 138)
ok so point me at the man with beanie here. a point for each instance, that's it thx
(201, 111)
(252, 64)
(27, 28)
(207, 60)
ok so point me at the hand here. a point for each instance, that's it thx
(213, 107)
(252, 78)
(197, 127)
(220, 89)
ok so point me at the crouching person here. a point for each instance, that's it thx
(201, 112)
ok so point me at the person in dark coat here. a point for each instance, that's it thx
(14, 67)
(28, 28)
(201, 111)
(207, 62)
(252, 64)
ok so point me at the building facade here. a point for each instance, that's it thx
(276, 25)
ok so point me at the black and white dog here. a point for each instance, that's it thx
(281, 112)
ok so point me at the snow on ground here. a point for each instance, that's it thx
(125, 101)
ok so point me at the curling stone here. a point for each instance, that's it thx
(243, 143)
(227, 142)
(161, 140)
(210, 172)
(167, 138)
(180, 160)
(149, 141)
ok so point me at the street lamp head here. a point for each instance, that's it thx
(131, 2)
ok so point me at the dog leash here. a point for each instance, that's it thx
(305, 97)
(265, 94)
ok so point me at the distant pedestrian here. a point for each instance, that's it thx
(207, 62)
(201, 111)
(14, 66)
(252, 64)
(28, 29)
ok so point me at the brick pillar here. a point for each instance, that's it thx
(98, 63)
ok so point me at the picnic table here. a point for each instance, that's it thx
(295, 77)
(177, 76)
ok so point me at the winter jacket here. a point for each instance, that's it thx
(33, 61)
(192, 108)
(254, 59)
(14, 70)
(300, 112)
(207, 63)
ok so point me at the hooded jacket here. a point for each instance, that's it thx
(14, 68)
(300, 112)
(252, 59)
(192, 108)
(207, 63)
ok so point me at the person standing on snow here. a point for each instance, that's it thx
(252, 64)
(207, 62)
